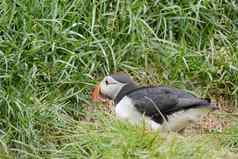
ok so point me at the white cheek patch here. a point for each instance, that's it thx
(111, 90)
(110, 80)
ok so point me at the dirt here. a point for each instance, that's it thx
(216, 121)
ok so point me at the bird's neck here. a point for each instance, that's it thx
(125, 89)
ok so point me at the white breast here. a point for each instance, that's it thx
(125, 110)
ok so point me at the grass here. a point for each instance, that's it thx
(53, 52)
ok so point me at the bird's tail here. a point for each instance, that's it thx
(211, 104)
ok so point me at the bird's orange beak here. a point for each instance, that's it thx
(96, 95)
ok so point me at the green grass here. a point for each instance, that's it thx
(53, 52)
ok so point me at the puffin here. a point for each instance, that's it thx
(158, 107)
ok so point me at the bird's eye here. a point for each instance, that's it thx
(107, 83)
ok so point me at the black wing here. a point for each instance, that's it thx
(154, 101)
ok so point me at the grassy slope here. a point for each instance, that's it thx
(52, 53)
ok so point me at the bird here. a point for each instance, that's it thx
(158, 107)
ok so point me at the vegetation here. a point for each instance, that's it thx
(53, 52)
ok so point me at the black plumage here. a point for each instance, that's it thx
(159, 100)
(123, 78)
